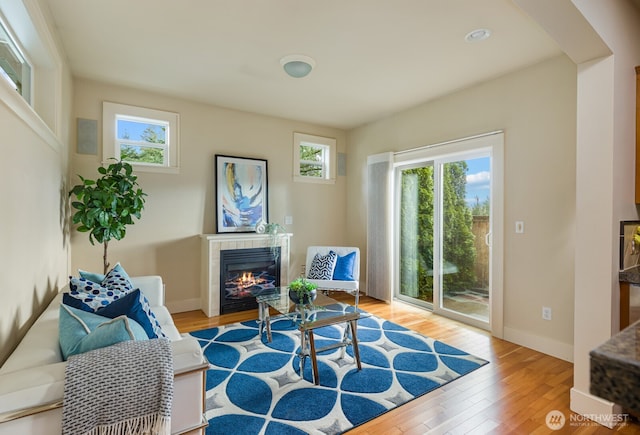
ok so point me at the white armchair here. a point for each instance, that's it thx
(345, 271)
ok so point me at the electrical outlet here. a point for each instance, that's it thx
(519, 227)
(546, 313)
(288, 220)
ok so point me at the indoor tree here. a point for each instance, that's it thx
(105, 206)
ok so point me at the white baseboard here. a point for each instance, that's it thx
(183, 305)
(541, 344)
(596, 409)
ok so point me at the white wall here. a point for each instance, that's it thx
(536, 108)
(181, 207)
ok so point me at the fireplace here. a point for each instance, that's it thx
(242, 270)
(212, 246)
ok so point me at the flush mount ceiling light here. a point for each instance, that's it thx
(477, 35)
(297, 65)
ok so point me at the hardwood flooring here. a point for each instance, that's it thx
(510, 395)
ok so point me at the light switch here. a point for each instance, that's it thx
(288, 220)
(519, 227)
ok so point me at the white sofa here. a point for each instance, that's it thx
(32, 378)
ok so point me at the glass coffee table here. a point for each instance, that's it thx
(307, 317)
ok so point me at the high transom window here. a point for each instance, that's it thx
(146, 138)
(14, 69)
(142, 141)
(314, 158)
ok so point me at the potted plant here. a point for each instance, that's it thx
(302, 291)
(105, 207)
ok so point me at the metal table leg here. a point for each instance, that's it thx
(354, 342)
(264, 319)
(303, 351)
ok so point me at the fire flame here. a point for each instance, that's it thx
(247, 279)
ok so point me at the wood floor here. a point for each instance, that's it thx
(510, 395)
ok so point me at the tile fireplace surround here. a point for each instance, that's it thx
(212, 244)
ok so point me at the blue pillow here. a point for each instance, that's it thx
(322, 266)
(135, 306)
(81, 331)
(344, 267)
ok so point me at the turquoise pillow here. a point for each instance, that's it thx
(91, 276)
(117, 270)
(81, 331)
(344, 267)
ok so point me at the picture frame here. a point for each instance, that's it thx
(629, 249)
(241, 186)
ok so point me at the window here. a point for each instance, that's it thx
(314, 158)
(14, 69)
(146, 138)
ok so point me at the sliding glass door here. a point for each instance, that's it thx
(416, 234)
(443, 233)
(464, 235)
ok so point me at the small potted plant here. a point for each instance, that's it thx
(302, 291)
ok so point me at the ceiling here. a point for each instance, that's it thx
(373, 57)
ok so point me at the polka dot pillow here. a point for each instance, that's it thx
(92, 294)
(115, 285)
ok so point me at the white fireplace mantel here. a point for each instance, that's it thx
(212, 244)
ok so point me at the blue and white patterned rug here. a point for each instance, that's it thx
(254, 387)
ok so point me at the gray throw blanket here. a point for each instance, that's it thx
(126, 388)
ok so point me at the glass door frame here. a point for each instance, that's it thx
(438, 303)
(491, 144)
(397, 236)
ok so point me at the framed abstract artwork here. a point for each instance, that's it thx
(241, 194)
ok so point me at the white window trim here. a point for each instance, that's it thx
(110, 148)
(25, 21)
(16, 47)
(329, 166)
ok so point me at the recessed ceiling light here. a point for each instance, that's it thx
(297, 65)
(477, 35)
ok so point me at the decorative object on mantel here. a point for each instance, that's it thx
(107, 205)
(274, 231)
(261, 227)
(302, 291)
(241, 194)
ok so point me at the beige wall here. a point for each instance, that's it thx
(181, 207)
(606, 147)
(34, 244)
(536, 108)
